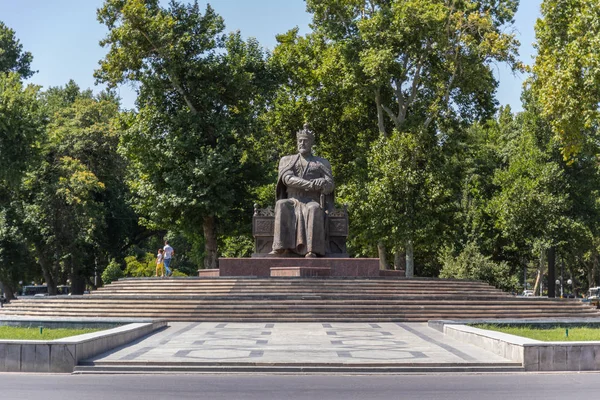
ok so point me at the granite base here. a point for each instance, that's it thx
(261, 267)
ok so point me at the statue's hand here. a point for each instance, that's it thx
(318, 183)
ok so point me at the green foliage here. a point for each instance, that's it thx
(422, 68)
(21, 130)
(400, 95)
(12, 57)
(406, 190)
(471, 264)
(190, 147)
(237, 246)
(112, 272)
(16, 258)
(21, 127)
(415, 58)
(566, 73)
(75, 199)
(140, 266)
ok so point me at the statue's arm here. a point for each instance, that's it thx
(328, 184)
(288, 178)
(293, 181)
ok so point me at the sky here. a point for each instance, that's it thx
(64, 35)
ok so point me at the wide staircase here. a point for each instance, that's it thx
(298, 300)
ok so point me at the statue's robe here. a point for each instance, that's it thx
(299, 211)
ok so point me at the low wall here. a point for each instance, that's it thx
(62, 355)
(534, 355)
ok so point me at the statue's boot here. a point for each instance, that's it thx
(310, 254)
(277, 252)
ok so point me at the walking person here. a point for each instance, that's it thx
(160, 265)
(167, 257)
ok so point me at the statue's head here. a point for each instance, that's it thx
(305, 139)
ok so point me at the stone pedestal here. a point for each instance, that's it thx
(208, 273)
(301, 271)
(263, 267)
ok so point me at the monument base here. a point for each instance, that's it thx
(302, 272)
(299, 267)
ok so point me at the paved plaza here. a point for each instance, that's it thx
(345, 344)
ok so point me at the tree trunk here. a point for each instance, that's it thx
(551, 272)
(47, 272)
(380, 120)
(77, 281)
(540, 273)
(8, 291)
(382, 256)
(591, 269)
(210, 243)
(400, 260)
(410, 259)
(537, 282)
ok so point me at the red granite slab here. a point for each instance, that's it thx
(208, 273)
(339, 267)
(300, 271)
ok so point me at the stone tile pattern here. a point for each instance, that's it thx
(300, 343)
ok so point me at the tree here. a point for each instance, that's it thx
(21, 129)
(75, 199)
(566, 72)
(425, 65)
(12, 57)
(21, 125)
(190, 145)
(471, 264)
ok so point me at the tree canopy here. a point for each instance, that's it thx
(438, 179)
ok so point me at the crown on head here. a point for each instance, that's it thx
(305, 132)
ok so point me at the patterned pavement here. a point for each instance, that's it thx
(364, 344)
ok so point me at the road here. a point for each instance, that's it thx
(310, 387)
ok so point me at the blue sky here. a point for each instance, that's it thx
(63, 36)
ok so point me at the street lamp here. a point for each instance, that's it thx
(559, 282)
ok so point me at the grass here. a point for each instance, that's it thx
(553, 334)
(33, 333)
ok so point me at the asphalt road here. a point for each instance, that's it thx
(311, 387)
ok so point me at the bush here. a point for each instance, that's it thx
(112, 272)
(471, 264)
(178, 273)
(237, 246)
(140, 267)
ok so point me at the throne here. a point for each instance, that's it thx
(336, 231)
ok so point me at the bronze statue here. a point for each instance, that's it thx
(304, 192)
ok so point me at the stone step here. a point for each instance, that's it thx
(298, 300)
(313, 282)
(129, 367)
(305, 318)
(300, 294)
(234, 302)
(295, 309)
(300, 281)
(142, 300)
(295, 287)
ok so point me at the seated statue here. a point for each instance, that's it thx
(304, 193)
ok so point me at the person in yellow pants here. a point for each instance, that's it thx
(160, 264)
